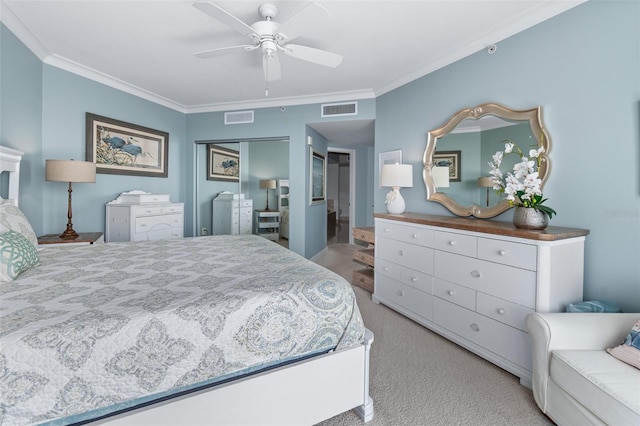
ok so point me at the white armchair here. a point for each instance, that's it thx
(575, 381)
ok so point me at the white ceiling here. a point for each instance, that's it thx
(146, 47)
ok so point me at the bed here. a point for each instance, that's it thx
(205, 330)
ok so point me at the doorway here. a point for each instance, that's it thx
(340, 195)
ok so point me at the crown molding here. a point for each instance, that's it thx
(285, 101)
(17, 27)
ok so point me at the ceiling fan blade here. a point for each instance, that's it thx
(309, 16)
(317, 56)
(223, 16)
(224, 51)
(271, 67)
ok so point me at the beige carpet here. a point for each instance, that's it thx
(420, 378)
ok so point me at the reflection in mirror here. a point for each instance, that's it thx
(457, 156)
(260, 159)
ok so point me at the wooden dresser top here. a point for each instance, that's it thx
(551, 233)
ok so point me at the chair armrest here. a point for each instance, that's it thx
(566, 331)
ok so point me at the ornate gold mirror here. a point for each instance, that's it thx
(457, 156)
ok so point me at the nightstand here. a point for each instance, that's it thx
(83, 238)
(267, 224)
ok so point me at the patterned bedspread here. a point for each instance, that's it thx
(94, 326)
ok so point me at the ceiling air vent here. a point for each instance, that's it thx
(332, 110)
(238, 117)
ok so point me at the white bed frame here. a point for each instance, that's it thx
(302, 393)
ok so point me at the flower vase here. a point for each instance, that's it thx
(529, 218)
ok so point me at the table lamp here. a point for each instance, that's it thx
(485, 182)
(70, 171)
(267, 184)
(396, 176)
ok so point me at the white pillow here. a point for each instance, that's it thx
(12, 219)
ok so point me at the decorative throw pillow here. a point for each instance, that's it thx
(12, 219)
(629, 351)
(17, 254)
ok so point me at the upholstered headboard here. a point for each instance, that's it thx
(10, 162)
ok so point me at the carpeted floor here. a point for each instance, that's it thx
(419, 378)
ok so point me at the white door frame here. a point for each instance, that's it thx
(352, 185)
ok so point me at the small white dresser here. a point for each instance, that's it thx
(140, 216)
(475, 281)
(231, 214)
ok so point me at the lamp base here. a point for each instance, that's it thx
(69, 234)
(395, 203)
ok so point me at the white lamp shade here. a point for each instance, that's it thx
(70, 171)
(397, 175)
(268, 184)
(440, 177)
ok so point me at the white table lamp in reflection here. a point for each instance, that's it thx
(396, 176)
(440, 176)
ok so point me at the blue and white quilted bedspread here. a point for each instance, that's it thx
(97, 326)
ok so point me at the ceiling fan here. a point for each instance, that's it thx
(272, 37)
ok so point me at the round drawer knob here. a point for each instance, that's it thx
(502, 252)
(361, 257)
(451, 292)
(400, 293)
(475, 327)
(386, 268)
(414, 279)
(415, 235)
(502, 311)
(452, 243)
(475, 273)
(401, 252)
(386, 229)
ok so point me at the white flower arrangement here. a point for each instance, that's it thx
(522, 186)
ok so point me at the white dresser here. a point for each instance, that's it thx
(231, 214)
(137, 216)
(474, 281)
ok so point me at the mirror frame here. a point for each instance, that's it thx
(533, 116)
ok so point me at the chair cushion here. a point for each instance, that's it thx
(606, 386)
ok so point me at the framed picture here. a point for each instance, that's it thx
(126, 149)
(318, 171)
(222, 163)
(449, 159)
(390, 157)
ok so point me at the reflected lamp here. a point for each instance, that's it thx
(485, 182)
(267, 184)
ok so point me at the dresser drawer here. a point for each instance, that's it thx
(513, 254)
(363, 278)
(411, 234)
(147, 223)
(173, 209)
(411, 277)
(404, 295)
(412, 256)
(501, 310)
(509, 283)
(366, 234)
(365, 256)
(465, 245)
(147, 210)
(454, 293)
(508, 342)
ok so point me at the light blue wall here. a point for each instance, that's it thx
(21, 119)
(306, 235)
(66, 98)
(583, 67)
